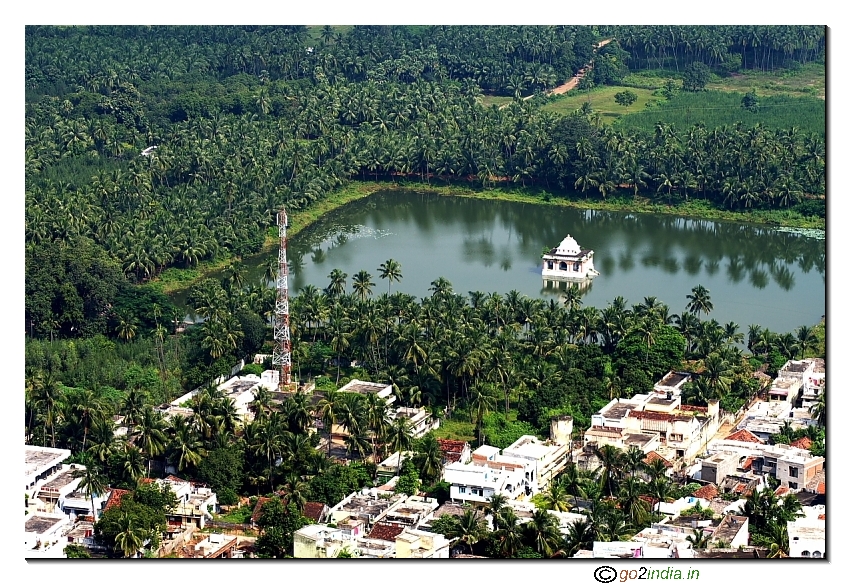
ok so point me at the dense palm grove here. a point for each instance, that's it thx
(247, 119)
(475, 357)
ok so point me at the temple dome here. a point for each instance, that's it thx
(568, 246)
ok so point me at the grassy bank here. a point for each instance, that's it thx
(174, 279)
(694, 208)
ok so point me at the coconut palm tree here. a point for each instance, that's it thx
(362, 284)
(777, 534)
(698, 540)
(129, 539)
(699, 301)
(133, 463)
(613, 527)
(469, 529)
(93, 483)
(509, 533)
(400, 438)
(430, 458)
(391, 271)
(806, 340)
(337, 286)
(555, 497)
(498, 503)
(481, 404)
(632, 460)
(819, 408)
(150, 435)
(543, 530)
(579, 537)
(717, 375)
(633, 506)
(87, 409)
(186, 446)
(610, 458)
(327, 409)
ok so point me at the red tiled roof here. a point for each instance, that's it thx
(115, 498)
(821, 516)
(782, 490)
(744, 435)
(748, 463)
(653, 455)
(258, 509)
(740, 488)
(693, 408)
(147, 480)
(707, 492)
(452, 449)
(651, 415)
(386, 531)
(451, 445)
(802, 443)
(313, 510)
(822, 488)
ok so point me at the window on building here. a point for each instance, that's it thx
(551, 264)
(563, 266)
(576, 266)
(462, 489)
(816, 555)
(804, 554)
(792, 485)
(793, 472)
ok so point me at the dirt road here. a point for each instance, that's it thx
(573, 83)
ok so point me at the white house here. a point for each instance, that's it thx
(44, 535)
(677, 431)
(807, 536)
(364, 388)
(478, 483)
(544, 459)
(195, 504)
(569, 262)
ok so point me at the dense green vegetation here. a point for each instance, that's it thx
(247, 119)
(717, 108)
(152, 150)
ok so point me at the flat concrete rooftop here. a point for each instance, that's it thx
(364, 387)
(672, 379)
(619, 410)
(41, 524)
(39, 459)
(239, 387)
(61, 479)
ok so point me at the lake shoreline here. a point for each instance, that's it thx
(693, 209)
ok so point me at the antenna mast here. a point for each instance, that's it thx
(282, 356)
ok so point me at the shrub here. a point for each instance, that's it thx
(252, 368)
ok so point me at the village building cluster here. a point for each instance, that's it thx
(729, 454)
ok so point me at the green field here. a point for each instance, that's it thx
(455, 429)
(601, 100)
(488, 100)
(718, 108)
(810, 79)
(315, 31)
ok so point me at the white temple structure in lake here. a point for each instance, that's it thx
(569, 262)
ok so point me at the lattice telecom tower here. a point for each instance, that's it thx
(282, 356)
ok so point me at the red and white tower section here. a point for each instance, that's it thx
(282, 355)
